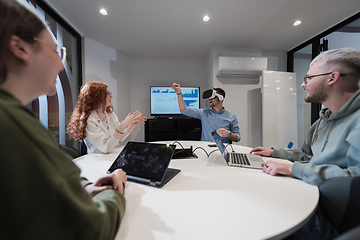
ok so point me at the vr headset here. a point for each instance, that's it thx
(211, 93)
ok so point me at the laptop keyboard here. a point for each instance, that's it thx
(237, 159)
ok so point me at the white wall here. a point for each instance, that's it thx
(147, 71)
(130, 78)
(107, 65)
(243, 96)
(340, 40)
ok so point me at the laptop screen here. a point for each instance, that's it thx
(219, 143)
(144, 160)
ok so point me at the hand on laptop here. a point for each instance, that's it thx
(119, 179)
(115, 181)
(266, 152)
(274, 168)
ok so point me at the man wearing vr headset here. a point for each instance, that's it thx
(213, 118)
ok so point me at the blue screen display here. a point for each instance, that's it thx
(163, 100)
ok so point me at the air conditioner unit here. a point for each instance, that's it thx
(240, 66)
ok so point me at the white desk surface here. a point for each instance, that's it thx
(210, 200)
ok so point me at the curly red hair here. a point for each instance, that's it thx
(92, 96)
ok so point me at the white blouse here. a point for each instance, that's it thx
(99, 134)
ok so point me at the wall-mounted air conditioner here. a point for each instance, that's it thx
(240, 66)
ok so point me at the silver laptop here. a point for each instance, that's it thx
(237, 159)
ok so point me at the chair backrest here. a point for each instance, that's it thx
(339, 199)
(353, 234)
(73, 152)
(83, 148)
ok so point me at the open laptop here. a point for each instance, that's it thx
(146, 163)
(237, 159)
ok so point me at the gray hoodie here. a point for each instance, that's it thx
(332, 145)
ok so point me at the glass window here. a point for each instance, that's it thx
(344, 34)
(302, 59)
(54, 112)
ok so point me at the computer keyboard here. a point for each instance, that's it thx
(237, 159)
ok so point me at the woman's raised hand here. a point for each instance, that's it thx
(134, 119)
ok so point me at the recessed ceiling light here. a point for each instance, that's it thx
(103, 11)
(297, 23)
(206, 18)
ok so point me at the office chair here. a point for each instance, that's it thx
(339, 200)
(353, 234)
(73, 152)
(83, 148)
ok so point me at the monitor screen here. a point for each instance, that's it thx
(163, 100)
(144, 160)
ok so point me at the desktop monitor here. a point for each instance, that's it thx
(163, 100)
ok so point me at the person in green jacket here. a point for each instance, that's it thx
(332, 146)
(42, 193)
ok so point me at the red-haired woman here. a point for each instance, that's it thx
(95, 122)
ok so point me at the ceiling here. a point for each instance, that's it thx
(174, 28)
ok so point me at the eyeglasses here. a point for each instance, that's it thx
(109, 94)
(60, 50)
(306, 78)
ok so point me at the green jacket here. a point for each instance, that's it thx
(42, 194)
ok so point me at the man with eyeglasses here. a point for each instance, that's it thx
(332, 146)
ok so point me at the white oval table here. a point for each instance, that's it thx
(210, 200)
